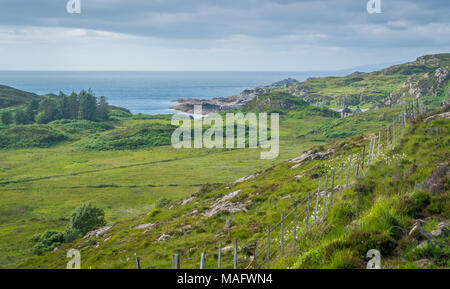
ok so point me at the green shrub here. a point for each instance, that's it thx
(21, 117)
(7, 117)
(47, 242)
(163, 202)
(416, 203)
(86, 217)
(154, 212)
(28, 136)
(439, 251)
(70, 234)
(79, 126)
(130, 138)
(440, 205)
(363, 241)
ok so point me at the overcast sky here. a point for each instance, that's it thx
(218, 34)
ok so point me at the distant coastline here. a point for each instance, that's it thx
(150, 92)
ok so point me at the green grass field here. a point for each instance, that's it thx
(42, 186)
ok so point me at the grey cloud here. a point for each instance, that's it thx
(340, 22)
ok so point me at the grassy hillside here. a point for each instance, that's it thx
(391, 86)
(375, 212)
(41, 186)
(14, 97)
(125, 166)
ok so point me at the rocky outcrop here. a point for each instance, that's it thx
(223, 204)
(418, 230)
(226, 206)
(188, 200)
(428, 83)
(224, 103)
(145, 227)
(312, 156)
(97, 233)
(442, 231)
(243, 179)
(423, 263)
(444, 115)
(220, 103)
(163, 237)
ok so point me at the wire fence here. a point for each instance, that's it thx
(307, 215)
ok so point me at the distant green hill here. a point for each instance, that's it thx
(426, 78)
(10, 96)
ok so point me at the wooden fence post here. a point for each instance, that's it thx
(175, 261)
(282, 234)
(202, 261)
(418, 107)
(369, 152)
(235, 254)
(342, 172)
(219, 256)
(387, 136)
(379, 142)
(404, 118)
(138, 262)
(332, 179)
(393, 132)
(317, 201)
(268, 247)
(348, 172)
(357, 163)
(331, 198)
(363, 157)
(307, 209)
(325, 195)
(373, 150)
(295, 222)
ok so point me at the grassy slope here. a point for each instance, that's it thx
(41, 186)
(51, 182)
(374, 213)
(380, 209)
(368, 89)
(265, 194)
(13, 97)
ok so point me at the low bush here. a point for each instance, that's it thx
(163, 202)
(46, 242)
(130, 138)
(28, 136)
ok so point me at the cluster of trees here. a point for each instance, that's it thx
(75, 106)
